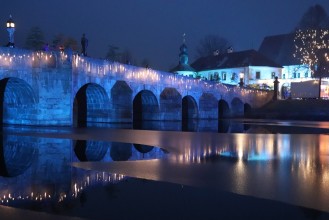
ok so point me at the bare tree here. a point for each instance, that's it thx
(212, 43)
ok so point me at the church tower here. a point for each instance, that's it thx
(183, 68)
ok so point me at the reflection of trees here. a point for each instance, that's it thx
(120, 151)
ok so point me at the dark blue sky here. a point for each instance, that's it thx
(153, 29)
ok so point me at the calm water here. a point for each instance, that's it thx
(231, 169)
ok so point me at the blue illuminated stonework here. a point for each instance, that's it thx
(58, 88)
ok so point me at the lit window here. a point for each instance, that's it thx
(223, 75)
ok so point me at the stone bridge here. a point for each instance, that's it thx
(65, 89)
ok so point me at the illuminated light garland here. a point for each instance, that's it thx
(311, 47)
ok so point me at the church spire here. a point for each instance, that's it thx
(183, 56)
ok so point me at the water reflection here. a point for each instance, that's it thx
(250, 160)
(36, 172)
(87, 150)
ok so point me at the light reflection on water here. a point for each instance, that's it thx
(251, 160)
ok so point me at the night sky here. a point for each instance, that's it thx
(153, 29)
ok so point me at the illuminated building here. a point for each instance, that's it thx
(248, 68)
(281, 49)
(183, 68)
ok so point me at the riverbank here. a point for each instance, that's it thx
(311, 109)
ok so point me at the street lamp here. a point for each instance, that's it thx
(241, 83)
(11, 30)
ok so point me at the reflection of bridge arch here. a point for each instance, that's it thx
(171, 104)
(237, 107)
(90, 150)
(91, 104)
(145, 107)
(120, 151)
(16, 157)
(121, 96)
(17, 101)
(223, 109)
(143, 148)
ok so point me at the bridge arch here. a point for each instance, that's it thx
(145, 108)
(190, 113)
(121, 96)
(18, 102)
(189, 108)
(91, 105)
(223, 109)
(237, 107)
(171, 104)
(247, 109)
(208, 106)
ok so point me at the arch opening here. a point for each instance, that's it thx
(18, 102)
(91, 106)
(189, 113)
(223, 109)
(145, 108)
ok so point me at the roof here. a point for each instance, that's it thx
(280, 49)
(182, 67)
(234, 59)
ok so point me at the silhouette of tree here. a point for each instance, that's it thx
(116, 55)
(61, 42)
(211, 44)
(315, 17)
(312, 42)
(35, 39)
(113, 53)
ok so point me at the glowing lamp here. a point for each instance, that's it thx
(11, 30)
(10, 23)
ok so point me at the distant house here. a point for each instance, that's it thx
(281, 49)
(251, 67)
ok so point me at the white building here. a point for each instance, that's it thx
(254, 69)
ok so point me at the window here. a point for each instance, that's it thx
(223, 76)
(273, 75)
(283, 76)
(306, 74)
(257, 75)
(216, 76)
(294, 75)
(298, 75)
